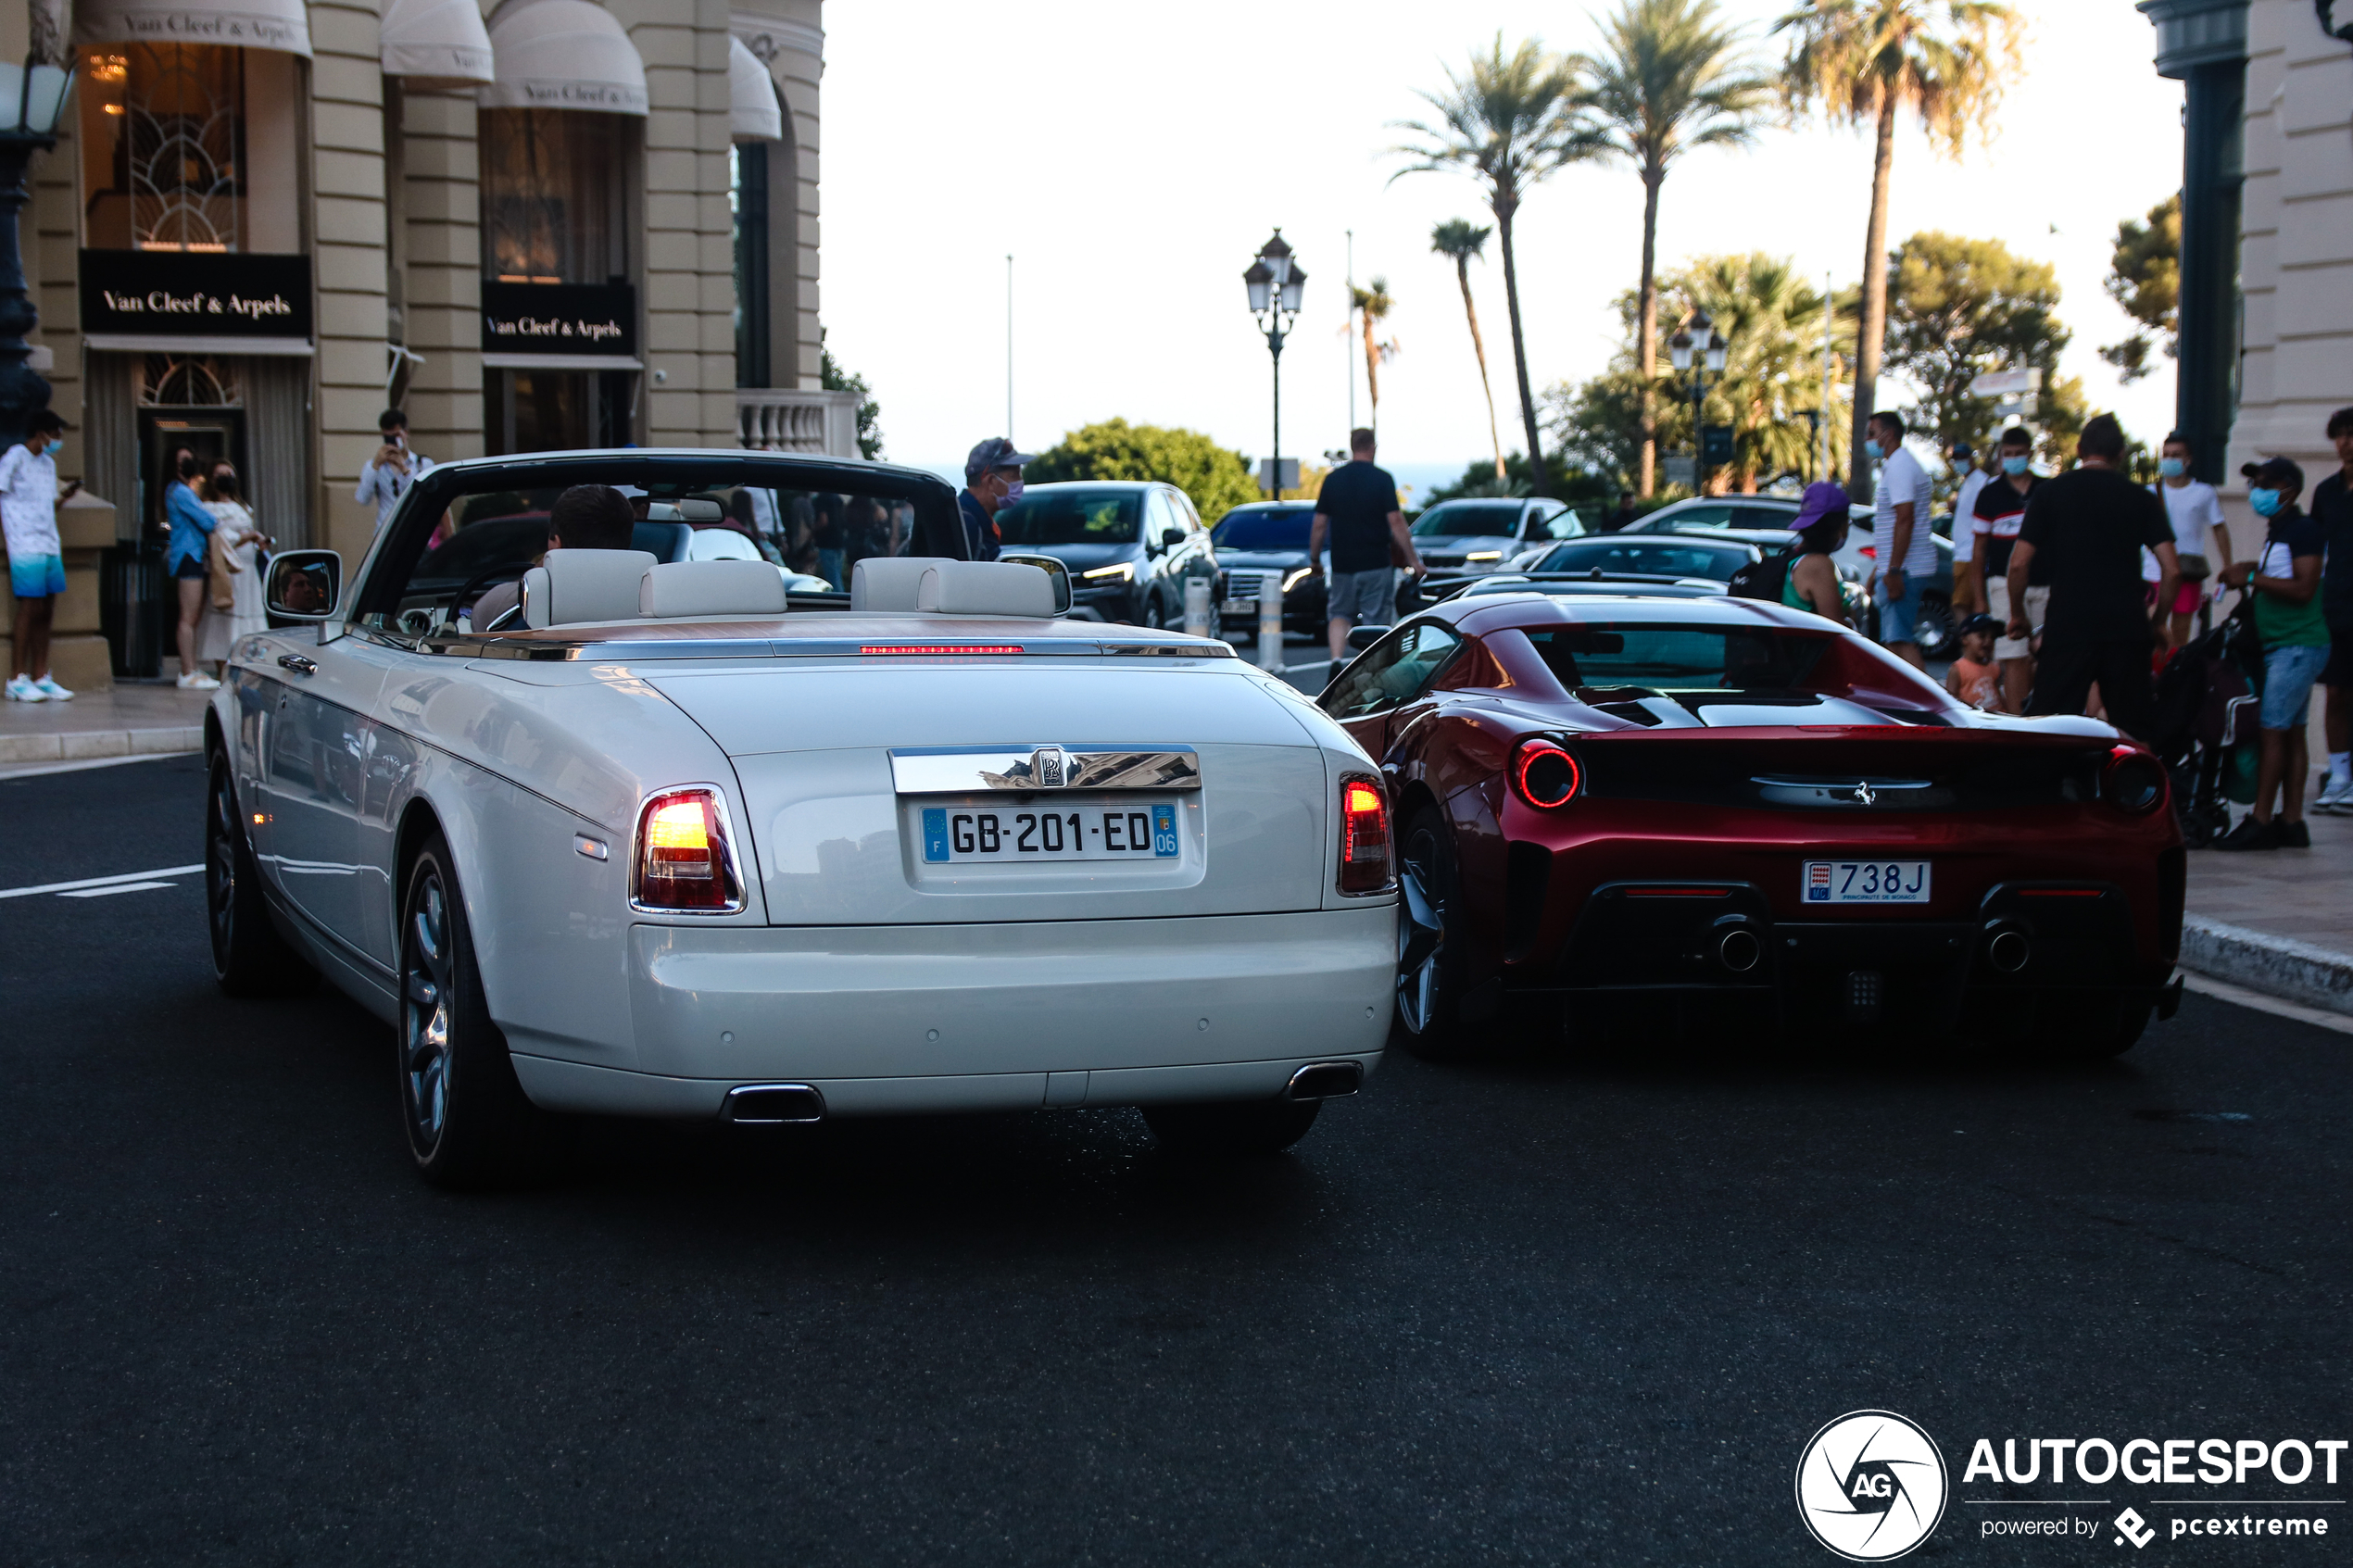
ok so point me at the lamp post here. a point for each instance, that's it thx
(32, 96)
(1276, 283)
(1699, 351)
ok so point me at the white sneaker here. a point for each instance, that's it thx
(199, 681)
(22, 690)
(53, 692)
(2337, 796)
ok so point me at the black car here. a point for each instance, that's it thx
(1129, 545)
(1267, 539)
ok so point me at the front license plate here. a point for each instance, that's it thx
(1240, 606)
(1144, 830)
(1867, 882)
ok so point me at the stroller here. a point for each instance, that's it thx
(2207, 697)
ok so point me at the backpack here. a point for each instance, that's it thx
(1761, 579)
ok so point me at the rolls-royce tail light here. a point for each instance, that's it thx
(683, 857)
(1364, 836)
(1544, 775)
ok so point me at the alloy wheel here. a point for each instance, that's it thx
(1421, 936)
(425, 975)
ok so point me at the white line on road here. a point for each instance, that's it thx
(118, 887)
(102, 882)
(2224, 991)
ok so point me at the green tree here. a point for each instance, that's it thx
(1501, 123)
(1669, 77)
(1597, 427)
(1459, 240)
(833, 378)
(1216, 477)
(2144, 276)
(1770, 315)
(1959, 307)
(1369, 308)
(1866, 61)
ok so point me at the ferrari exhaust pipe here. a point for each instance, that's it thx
(1739, 951)
(773, 1105)
(1326, 1080)
(2010, 951)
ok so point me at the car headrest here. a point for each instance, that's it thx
(985, 587)
(889, 582)
(574, 588)
(689, 588)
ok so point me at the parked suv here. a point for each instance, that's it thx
(1268, 539)
(1129, 545)
(1479, 533)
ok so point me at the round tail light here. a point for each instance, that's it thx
(2132, 780)
(1544, 775)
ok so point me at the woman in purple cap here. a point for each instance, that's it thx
(1811, 583)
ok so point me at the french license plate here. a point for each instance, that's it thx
(1240, 606)
(1867, 882)
(1144, 830)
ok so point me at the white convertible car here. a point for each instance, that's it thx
(669, 843)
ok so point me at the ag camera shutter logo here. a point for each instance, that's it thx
(1872, 1486)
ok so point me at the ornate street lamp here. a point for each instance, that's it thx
(31, 97)
(1277, 284)
(1699, 351)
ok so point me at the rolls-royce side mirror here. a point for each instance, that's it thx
(304, 584)
(1052, 567)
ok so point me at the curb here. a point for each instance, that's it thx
(2278, 966)
(81, 745)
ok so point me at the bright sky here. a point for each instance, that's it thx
(1133, 159)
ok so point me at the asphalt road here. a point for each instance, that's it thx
(1541, 1309)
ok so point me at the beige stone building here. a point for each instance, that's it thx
(533, 224)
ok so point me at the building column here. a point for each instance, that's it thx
(443, 287)
(347, 186)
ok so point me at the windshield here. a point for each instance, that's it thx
(1672, 659)
(1074, 517)
(1647, 556)
(1263, 528)
(1473, 519)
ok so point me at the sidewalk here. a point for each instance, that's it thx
(134, 718)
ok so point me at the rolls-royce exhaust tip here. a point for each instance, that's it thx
(773, 1105)
(1326, 1080)
(2010, 951)
(1739, 951)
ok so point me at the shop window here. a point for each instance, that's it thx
(189, 380)
(552, 207)
(748, 211)
(163, 147)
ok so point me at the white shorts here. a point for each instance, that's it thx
(1997, 605)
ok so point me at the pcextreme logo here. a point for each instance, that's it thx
(1872, 1486)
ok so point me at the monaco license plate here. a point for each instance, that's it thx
(1009, 834)
(1867, 882)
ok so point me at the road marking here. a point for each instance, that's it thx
(2223, 990)
(33, 770)
(101, 882)
(118, 887)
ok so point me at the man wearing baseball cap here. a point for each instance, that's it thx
(992, 482)
(2284, 582)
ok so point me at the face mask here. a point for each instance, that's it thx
(55, 447)
(2014, 465)
(2171, 467)
(1871, 449)
(1013, 493)
(2265, 502)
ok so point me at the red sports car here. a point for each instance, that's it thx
(1688, 816)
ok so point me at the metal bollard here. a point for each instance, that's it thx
(1197, 606)
(1270, 621)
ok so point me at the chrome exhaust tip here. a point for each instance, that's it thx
(772, 1105)
(1326, 1080)
(2010, 951)
(1739, 951)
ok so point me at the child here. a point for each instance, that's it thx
(36, 571)
(1974, 678)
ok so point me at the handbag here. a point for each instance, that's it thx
(2193, 567)
(220, 566)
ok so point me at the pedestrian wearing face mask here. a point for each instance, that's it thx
(29, 498)
(2195, 513)
(992, 482)
(1903, 548)
(1967, 594)
(2284, 579)
(1997, 515)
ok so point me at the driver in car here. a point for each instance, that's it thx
(587, 517)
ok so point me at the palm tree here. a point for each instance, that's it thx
(1670, 77)
(1372, 307)
(1461, 239)
(1772, 314)
(1866, 60)
(1501, 124)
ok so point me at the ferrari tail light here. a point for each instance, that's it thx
(684, 859)
(2132, 780)
(1364, 836)
(1544, 775)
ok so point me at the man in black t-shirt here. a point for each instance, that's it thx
(2333, 509)
(1357, 510)
(2090, 525)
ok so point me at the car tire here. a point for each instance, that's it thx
(1432, 972)
(1232, 1127)
(1154, 620)
(250, 958)
(2118, 1037)
(469, 1122)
